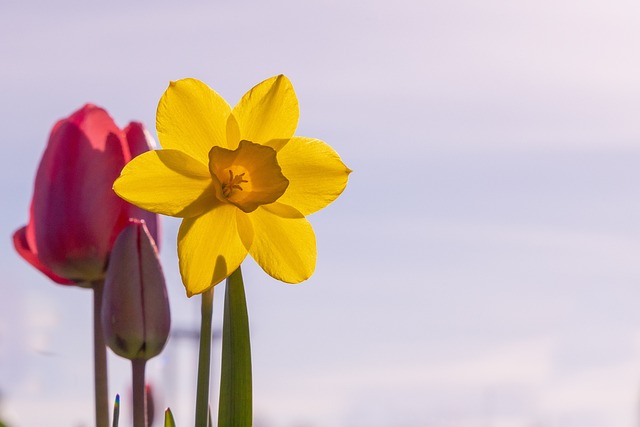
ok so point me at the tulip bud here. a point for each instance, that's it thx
(135, 306)
(75, 216)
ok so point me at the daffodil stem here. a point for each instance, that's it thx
(204, 360)
(235, 408)
(100, 359)
(139, 393)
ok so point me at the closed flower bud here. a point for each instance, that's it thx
(75, 215)
(135, 308)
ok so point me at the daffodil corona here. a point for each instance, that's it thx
(239, 178)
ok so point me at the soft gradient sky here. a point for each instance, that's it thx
(482, 267)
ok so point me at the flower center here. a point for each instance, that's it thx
(248, 177)
(234, 183)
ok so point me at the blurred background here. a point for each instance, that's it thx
(482, 268)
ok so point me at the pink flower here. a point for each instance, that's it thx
(75, 216)
(135, 306)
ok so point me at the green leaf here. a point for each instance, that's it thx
(168, 419)
(116, 411)
(235, 408)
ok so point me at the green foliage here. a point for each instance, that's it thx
(168, 419)
(116, 411)
(235, 408)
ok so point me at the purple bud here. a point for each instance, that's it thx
(135, 306)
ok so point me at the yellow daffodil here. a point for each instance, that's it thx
(239, 178)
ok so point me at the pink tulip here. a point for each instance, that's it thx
(135, 306)
(75, 216)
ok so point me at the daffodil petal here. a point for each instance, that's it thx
(283, 211)
(285, 248)
(233, 132)
(167, 182)
(245, 229)
(316, 174)
(192, 117)
(209, 248)
(268, 111)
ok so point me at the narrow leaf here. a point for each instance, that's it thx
(116, 411)
(235, 408)
(168, 419)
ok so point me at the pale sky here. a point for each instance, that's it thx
(481, 268)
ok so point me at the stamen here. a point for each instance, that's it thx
(233, 184)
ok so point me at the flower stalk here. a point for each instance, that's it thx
(204, 360)
(100, 359)
(139, 393)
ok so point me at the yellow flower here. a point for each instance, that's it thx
(240, 179)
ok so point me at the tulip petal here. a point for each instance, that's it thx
(25, 251)
(139, 139)
(209, 248)
(269, 111)
(73, 233)
(192, 117)
(315, 172)
(96, 124)
(284, 244)
(168, 182)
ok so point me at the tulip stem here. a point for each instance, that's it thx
(235, 408)
(100, 359)
(139, 393)
(204, 360)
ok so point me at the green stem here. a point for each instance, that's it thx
(235, 408)
(204, 360)
(139, 393)
(100, 359)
